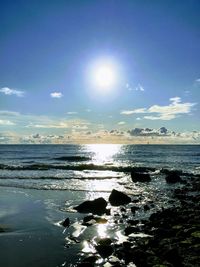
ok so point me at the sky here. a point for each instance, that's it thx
(113, 71)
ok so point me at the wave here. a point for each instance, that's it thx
(79, 167)
(60, 178)
(60, 188)
(73, 158)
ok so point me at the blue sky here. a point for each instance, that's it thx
(48, 51)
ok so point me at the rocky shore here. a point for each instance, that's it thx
(168, 238)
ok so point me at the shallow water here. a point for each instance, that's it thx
(39, 184)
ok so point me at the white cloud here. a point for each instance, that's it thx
(198, 80)
(48, 126)
(139, 87)
(9, 91)
(56, 95)
(71, 112)
(134, 111)
(121, 122)
(6, 123)
(9, 113)
(172, 111)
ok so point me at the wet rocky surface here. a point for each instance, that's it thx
(169, 237)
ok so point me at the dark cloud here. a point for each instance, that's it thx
(149, 132)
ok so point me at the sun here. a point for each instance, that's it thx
(103, 76)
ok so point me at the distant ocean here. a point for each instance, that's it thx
(90, 167)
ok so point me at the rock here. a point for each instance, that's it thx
(88, 218)
(130, 229)
(139, 257)
(173, 256)
(104, 250)
(96, 206)
(134, 208)
(173, 178)
(105, 241)
(146, 207)
(132, 222)
(101, 220)
(85, 264)
(90, 259)
(140, 177)
(65, 223)
(118, 198)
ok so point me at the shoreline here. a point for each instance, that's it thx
(36, 219)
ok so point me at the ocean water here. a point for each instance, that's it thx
(40, 184)
(97, 168)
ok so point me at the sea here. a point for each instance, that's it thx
(40, 185)
(95, 168)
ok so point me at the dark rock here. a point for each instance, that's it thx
(107, 212)
(173, 178)
(123, 209)
(105, 241)
(65, 223)
(139, 257)
(104, 250)
(172, 256)
(140, 177)
(96, 206)
(134, 208)
(133, 222)
(118, 198)
(88, 218)
(130, 229)
(90, 259)
(146, 207)
(85, 264)
(166, 171)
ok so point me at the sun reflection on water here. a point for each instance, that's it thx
(104, 181)
(102, 230)
(103, 153)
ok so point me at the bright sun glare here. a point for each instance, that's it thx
(103, 76)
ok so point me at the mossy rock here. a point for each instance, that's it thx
(177, 227)
(187, 241)
(196, 234)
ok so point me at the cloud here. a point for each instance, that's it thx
(149, 132)
(72, 112)
(172, 111)
(6, 123)
(42, 139)
(198, 80)
(8, 113)
(134, 111)
(48, 126)
(80, 127)
(56, 95)
(139, 87)
(121, 123)
(9, 91)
